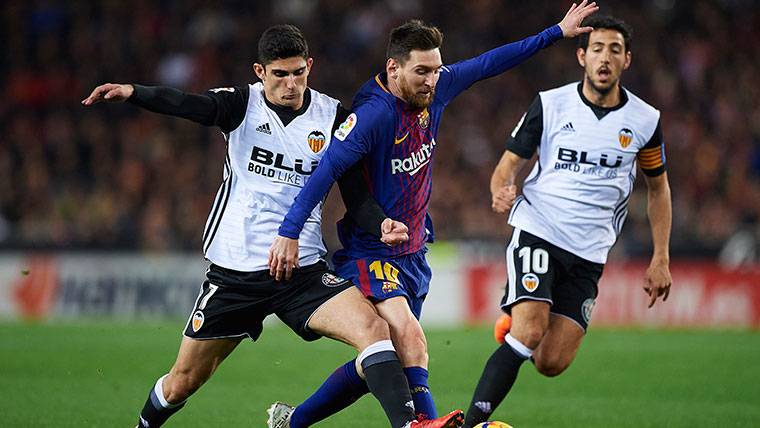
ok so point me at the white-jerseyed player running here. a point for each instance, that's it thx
(590, 137)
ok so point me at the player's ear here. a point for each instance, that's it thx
(391, 67)
(309, 63)
(260, 71)
(580, 53)
(627, 60)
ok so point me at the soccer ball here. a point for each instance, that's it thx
(493, 424)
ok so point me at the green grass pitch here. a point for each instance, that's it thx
(97, 374)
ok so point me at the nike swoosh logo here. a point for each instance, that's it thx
(400, 140)
(416, 170)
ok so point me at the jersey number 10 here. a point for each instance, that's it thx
(539, 261)
(387, 272)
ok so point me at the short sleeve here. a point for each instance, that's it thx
(526, 136)
(651, 157)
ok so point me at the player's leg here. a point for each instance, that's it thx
(323, 304)
(571, 312)
(528, 297)
(228, 308)
(196, 362)
(411, 345)
(352, 319)
(559, 346)
(414, 279)
(530, 320)
(344, 386)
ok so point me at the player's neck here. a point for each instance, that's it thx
(607, 99)
(394, 89)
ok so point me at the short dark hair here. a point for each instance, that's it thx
(413, 35)
(280, 42)
(609, 23)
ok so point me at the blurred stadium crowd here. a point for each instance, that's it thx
(114, 177)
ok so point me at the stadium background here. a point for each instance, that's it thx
(102, 209)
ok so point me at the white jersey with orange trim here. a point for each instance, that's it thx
(576, 196)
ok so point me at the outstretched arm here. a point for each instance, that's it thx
(113, 92)
(660, 212)
(457, 77)
(223, 107)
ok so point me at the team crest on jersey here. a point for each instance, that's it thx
(586, 308)
(625, 136)
(530, 282)
(424, 119)
(331, 280)
(316, 141)
(198, 319)
(346, 127)
(389, 286)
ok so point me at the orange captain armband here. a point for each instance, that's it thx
(652, 159)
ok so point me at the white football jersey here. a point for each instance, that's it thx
(267, 164)
(577, 194)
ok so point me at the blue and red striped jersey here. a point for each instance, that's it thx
(395, 145)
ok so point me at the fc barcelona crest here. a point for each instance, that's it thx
(424, 119)
(625, 136)
(316, 141)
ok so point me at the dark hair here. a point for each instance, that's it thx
(280, 42)
(412, 35)
(609, 23)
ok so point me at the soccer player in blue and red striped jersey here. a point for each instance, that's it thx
(392, 133)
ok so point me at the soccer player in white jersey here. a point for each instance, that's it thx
(590, 137)
(276, 134)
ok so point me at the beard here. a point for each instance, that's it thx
(415, 100)
(602, 90)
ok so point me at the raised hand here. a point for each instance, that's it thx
(393, 232)
(503, 199)
(113, 92)
(571, 23)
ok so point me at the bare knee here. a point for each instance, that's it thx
(376, 329)
(411, 345)
(529, 335)
(367, 330)
(530, 322)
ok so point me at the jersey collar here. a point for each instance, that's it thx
(382, 81)
(600, 111)
(287, 114)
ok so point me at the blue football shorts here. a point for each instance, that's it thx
(383, 278)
